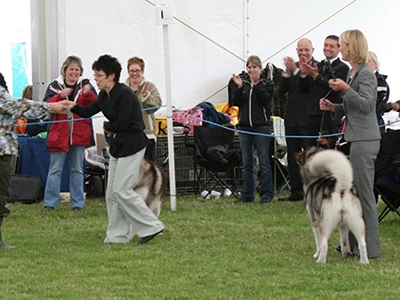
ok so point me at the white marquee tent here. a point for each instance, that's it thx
(209, 40)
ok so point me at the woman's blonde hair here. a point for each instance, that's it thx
(69, 60)
(373, 57)
(255, 60)
(357, 43)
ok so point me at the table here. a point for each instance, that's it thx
(34, 159)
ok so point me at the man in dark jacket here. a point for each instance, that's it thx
(314, 81)
(295, 115)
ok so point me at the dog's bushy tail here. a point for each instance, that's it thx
(336, 164)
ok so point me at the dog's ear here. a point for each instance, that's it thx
(300, 157)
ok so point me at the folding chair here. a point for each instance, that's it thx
(215, 159)
(280, 161)
(387, 173)
(389, 192)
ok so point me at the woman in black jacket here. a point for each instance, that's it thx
(128, 142)
(253, 97)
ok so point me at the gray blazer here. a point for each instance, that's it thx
(359, 105)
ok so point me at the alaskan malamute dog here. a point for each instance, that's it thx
(332, 201)
(152, 185)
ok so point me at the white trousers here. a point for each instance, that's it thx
(124, 205)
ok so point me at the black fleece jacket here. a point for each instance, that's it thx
(254, 103)
(125, 123)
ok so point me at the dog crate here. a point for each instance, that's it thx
(184, 163)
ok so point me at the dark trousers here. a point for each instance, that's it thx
(314, 127)
(295, 145)
(5, 177)
(150, 153)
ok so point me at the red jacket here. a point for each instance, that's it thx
(63, 134)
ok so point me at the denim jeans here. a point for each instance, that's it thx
(261, 143)
(76, 157)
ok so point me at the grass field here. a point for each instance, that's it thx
(211, 249)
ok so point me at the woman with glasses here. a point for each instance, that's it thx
(68, 138)
(149, 98)
(128, 142)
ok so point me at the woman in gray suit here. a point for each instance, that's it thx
(358, 106)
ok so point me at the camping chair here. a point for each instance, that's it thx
(387, 173)
(215, 160)
(279, 157)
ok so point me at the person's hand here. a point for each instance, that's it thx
(59, 108)
(302, 64)
(290, 65)
(238, 80)
(104, 127)
(310, 69)
(86, 89)
(69, 104)
(144, 89)
(338, 85)
(325, 104)
(66, 92)
(395, 106)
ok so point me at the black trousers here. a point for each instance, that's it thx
(314, 127)
(5, 177)
(295, 145)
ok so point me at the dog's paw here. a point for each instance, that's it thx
(346, 251)
(364, 261)
(316, 254)
(347, 254)
(321, 259)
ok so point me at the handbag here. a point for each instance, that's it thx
(26, 189)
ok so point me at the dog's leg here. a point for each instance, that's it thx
(323, 249)
(344, 240)
(357, 227)
(155, 206)
(325, 232)
(317, 238)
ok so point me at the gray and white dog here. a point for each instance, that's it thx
(152, 185)
(331, 199)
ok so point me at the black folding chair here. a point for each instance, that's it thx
(215, 159)
(387, 173)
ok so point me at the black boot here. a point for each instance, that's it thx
(2, 244)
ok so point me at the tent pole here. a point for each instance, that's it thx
(170, 132)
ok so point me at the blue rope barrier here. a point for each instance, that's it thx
(268, 135)
(209, 122)
(73, 120)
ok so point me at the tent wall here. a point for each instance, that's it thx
(199, 67)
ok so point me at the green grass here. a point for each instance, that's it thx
(211, 249)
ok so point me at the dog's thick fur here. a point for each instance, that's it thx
(152, 185)
(332, 200)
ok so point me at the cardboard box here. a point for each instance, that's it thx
(100, 143)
